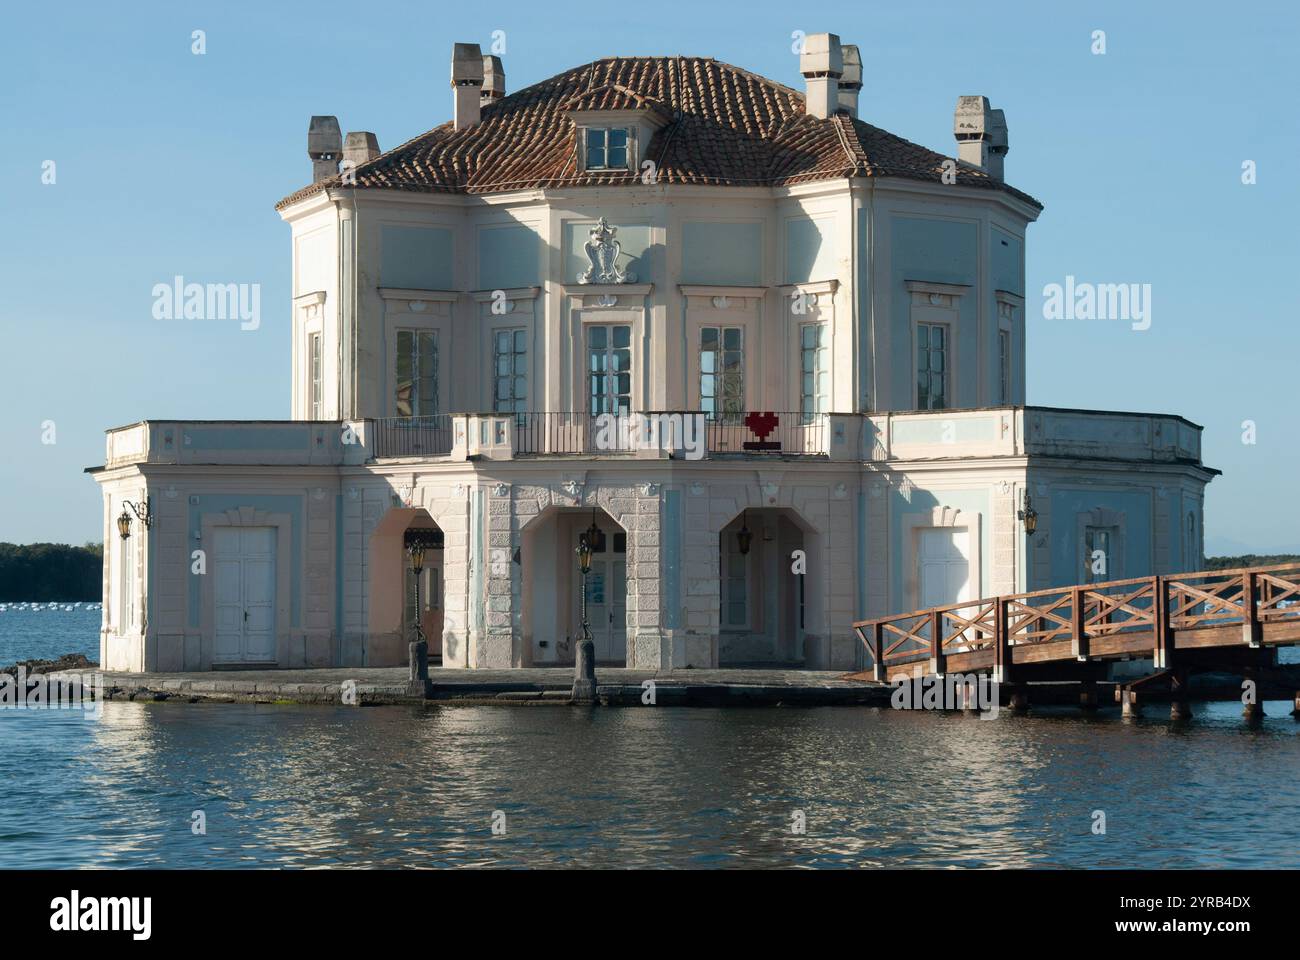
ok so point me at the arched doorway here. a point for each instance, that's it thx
(552, 587)
(767, 607)
(393, 589)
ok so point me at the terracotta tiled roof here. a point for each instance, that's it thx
(725, 126)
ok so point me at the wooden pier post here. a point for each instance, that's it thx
(1001, 644)
(1252, 630)
(1163, 657)
(1253, 709)
(1078, 635)
(1020, 699)
(938, 659)
(1129, 699)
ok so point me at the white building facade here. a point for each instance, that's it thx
(485, 317)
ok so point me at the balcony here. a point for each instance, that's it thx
(686, 435)
(1030, 431)
(877, 438)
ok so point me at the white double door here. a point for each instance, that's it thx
(244, 594)
(944, 573)
(607, 601)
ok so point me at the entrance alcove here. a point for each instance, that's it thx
(392, 588)
(768, 612)
(551, 584)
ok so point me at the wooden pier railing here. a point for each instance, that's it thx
(1252, 608)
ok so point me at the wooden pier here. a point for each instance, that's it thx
(1214, 621)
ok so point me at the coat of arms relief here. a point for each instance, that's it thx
(603, 251)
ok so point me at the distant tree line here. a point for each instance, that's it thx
(1249, 560)
(51, 571)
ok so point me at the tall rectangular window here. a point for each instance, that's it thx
(606, 148)
(417, 373)
(814, 371)
(1097, 554)
(735, 588)
(609, 369)
(1004, 366)
(510, 371)
(315, 361)
(931, 366)
(722, 373)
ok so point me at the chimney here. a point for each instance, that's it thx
(324, 146)
(821, 65)
(358, 147)
(466, 82)
(972, 125)
(851, 80)
(998, 145)
(494, 80)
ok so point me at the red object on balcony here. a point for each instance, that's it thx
(761, 424)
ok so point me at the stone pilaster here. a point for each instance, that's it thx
(1005, 536)
(497, 644)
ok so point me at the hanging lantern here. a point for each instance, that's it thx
(124, 524)
(584, 553)
(595, 536)
(744, 538)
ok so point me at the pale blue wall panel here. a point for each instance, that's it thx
(809, 251)
(727, 254)
(418, 258)
(937, 251)
(508, 257)
(1066, 550)
(1008, 262)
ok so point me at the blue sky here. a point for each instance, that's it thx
(170, 163)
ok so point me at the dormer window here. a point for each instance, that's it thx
(615, 127)
(606, 148)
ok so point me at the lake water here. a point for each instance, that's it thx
(47, 634)
(654, 786)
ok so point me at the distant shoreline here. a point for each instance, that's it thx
(51, 572)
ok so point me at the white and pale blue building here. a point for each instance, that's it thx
(833, 316)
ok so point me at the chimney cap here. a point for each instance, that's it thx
(972, 119)
(466, 65)
(494, 77)
(360, 146)
(998, 141)
(324, 141)
(852, 76)
(821, 56)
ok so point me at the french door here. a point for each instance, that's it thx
(244, 594)
(609, 369)
(607, 599)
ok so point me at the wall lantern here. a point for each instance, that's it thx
(744, 538)
(142, 511)
(1027, 514)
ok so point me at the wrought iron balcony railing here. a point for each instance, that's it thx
(684, 434)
